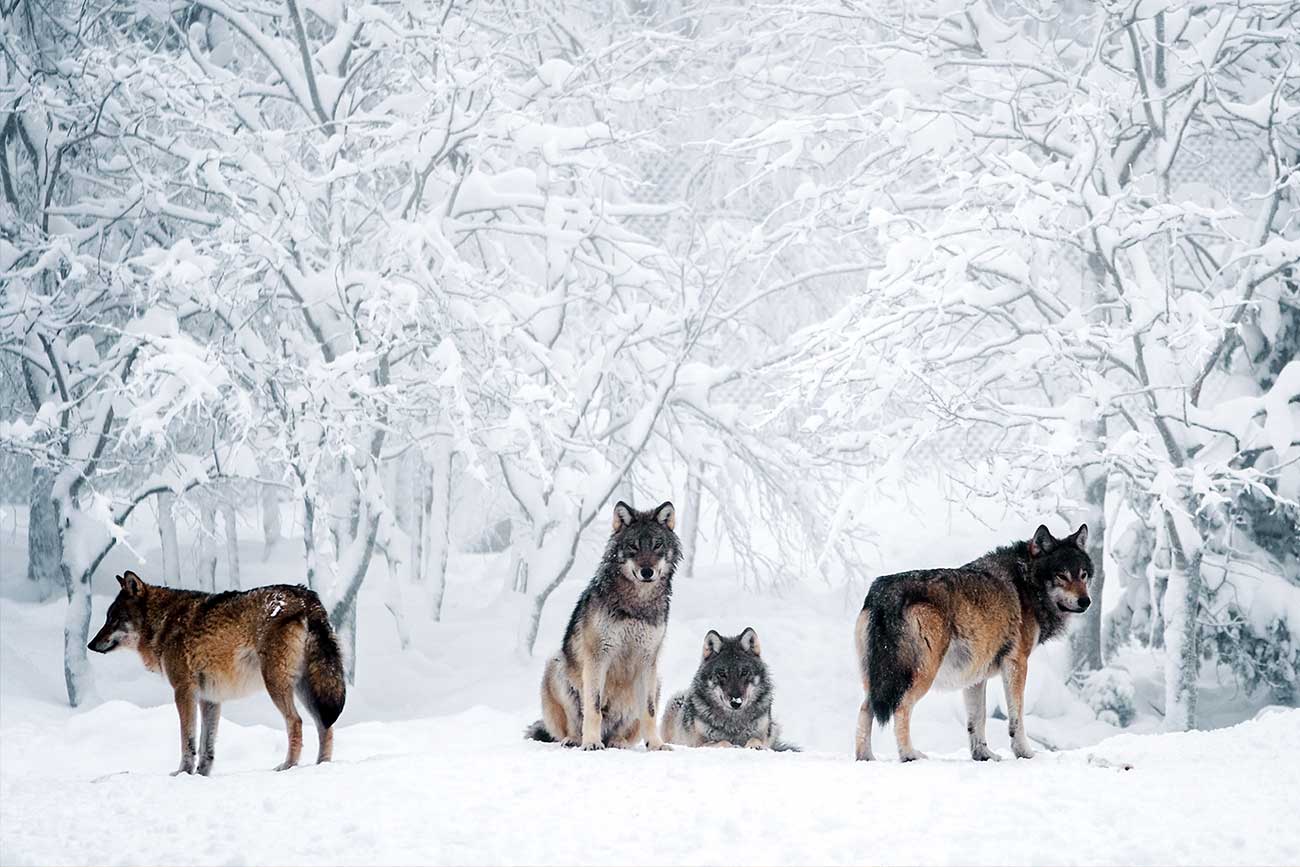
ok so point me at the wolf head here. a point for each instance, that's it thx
(732, 674)
(125, 618)
(643, 546)
(1062, 567)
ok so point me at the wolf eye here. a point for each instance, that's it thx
(657, 544)
(744, 672)
(1083, 576)
(722, 674)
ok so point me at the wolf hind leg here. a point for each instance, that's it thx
(324, 733)
(560, 714)
(862, 751)
(930, 634)
(210, 713)
(862, 641)
(281, 656)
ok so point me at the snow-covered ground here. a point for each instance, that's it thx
(430, 766)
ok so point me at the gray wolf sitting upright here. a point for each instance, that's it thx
(729, 703)
(601, 688)
(956, 628)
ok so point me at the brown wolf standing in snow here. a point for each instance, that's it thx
(218, 646)
(602, 687)
(956, 628)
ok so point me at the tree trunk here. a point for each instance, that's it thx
(171, 551)
(1085, 641)
(43, 537)
(1182, 656)
(345, 628)
(231, 526)
(309, 539)
(355, 563)
(563, 543)
(76, 634)
(271, 529)
(420, 523)
(690, 526)
(208, 546)
(438, 521)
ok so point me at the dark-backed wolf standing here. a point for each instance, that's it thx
(601, 688)
(729, 702)
(956, 628)
(218, 646)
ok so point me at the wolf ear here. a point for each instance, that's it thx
(712, 643)
(749, 641)
(131, 583)
(666, 515)
(623, 515)
(1080, 537)
(1042, 541)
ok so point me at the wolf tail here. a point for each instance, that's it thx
(892, 655)
(781, 746)
(324, 685)
(537, 732)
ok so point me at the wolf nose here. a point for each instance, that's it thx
(647, 573)
(737, 701)
(1084, 602)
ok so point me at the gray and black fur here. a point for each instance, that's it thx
(729, 702)
(602, 688)
(956, 628)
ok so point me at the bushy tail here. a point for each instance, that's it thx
(781, 746)
(537, 732)
(324, 681)
(891, 652)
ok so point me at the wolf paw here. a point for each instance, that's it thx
(284, 766)
(911, 755)
(982, 753)
(593, 745)
(182, 770)
(1022, 751)
(203, 770)
(659, 747)
(755, 744)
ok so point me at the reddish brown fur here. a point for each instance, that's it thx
(215, 648)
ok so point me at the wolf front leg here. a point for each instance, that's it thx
(650, 703)
(210, 711)
(594, 669)
(1014, 670)
(185, 708)
(976, 717)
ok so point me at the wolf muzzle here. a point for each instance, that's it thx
(102, 643)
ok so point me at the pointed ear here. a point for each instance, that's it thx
(1081, 537)
(666, 515)
(712, 643)
(623, 515)
(1042, 542)
(131, 583)
(749, 641)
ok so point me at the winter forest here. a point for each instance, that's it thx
(397, 298)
